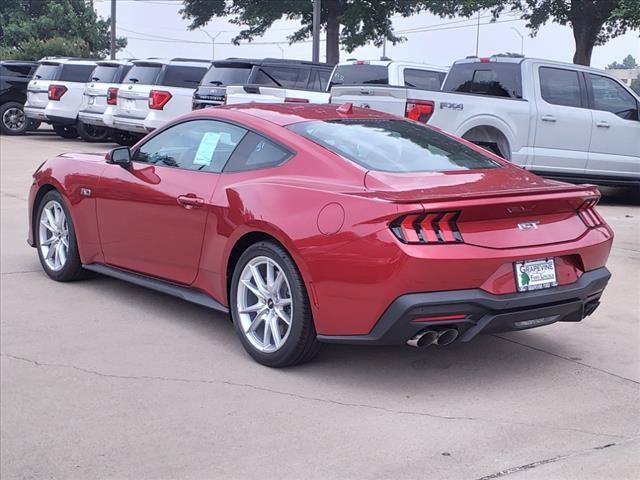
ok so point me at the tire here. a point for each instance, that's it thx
(90, 133)
(65, 131)
(298, 343)
(12, 119)
(33, 124)
(123, 138)
(58, 268)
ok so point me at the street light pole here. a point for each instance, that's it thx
(112, 49)
(478, 35)
(521, 39)
(316, 31)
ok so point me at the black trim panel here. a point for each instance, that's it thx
(163, 286)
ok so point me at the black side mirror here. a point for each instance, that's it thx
(120, 156)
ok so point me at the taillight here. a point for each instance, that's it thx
(419, 110)
(432, 227)
(158, 99)
(112, 96)
(588, 213)
(296, 100)
(56, 92)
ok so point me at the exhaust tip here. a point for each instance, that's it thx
(423, 339)
(447, 337)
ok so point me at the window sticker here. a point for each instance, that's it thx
(207, 148)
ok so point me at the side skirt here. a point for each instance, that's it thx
(163, 286)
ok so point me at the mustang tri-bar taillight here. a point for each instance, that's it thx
(430, 227)
(588, 214)
(56, 92)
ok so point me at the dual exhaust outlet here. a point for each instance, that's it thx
(433, 337)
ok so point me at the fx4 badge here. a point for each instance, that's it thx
(528, 225)
(452, 106)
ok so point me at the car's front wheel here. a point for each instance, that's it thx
(270, 307)
(56, 239)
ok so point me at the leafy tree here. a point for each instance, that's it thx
(627, 63)
(594, 22)
(32, 29)
(349, 24)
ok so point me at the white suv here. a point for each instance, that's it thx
(156, 91)
(100, 94)
(55, 93)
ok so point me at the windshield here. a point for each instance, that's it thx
(218, 76)
(47, 71)
(360, 74)
(104, 73)
(393, 145)
(145, 74)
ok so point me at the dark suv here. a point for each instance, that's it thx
(271, 72)
(14, 78)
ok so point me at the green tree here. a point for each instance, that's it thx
(32, 29)
(594, 22)
(627, 63)
(349, 24)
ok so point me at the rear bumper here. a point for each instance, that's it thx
(91, 118)
(483, 312)
(37, 113)
(129, 124)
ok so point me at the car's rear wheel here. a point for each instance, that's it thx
(65, 131)
(91, 133)
(270, 307)
(56, 239)
(12, 119)
(126, 139)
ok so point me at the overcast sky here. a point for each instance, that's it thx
(156, 29)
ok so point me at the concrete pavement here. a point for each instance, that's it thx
(102, 379)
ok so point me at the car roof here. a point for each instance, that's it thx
(64, 60)
(289, 113)
(18, 62)
(386, 63)
(187, 62)
(269, 61)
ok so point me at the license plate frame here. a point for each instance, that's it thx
(536, 274)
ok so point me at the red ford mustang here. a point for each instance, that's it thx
(314, 224)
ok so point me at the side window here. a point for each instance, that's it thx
(423, 79)
(610, 96)
(314, 81)
(324, 76)
(76, 73)
(184, 77)
(277, 76)
(256, 152)
(560, 87)
(202, 145)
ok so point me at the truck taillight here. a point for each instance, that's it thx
(588, 214)
(56, 92)
(158, 99)
(419, 110)
(112, 96)
(428, 228)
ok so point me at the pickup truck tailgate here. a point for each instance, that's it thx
(384, 98)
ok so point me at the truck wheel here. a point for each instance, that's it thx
(33, 124)
(65, 131)
(126, 139)
(12, 119)
(91, 133)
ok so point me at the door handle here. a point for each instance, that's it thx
(602, 124)
(548, 118)
(190, 201)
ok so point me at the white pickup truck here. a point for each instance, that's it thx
(563, 121)
(351, 72)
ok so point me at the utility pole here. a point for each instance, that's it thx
(213, 43)
(521, 39)
(316, 30)
(112, 49)
(478, 34)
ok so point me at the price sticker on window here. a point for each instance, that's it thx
(206, 149)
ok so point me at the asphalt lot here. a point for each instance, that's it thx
(102, 379)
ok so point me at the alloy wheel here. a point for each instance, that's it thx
(54, 236)
(14, 119)
(264, 304)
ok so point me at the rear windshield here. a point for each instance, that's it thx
(145, 74)
(360, 74)
(105, 73)
(184, 77)
(493, 78)
(9, 70)
(47, 71)
(232, 75)
(76, 73)
(393, 145)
